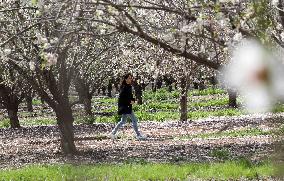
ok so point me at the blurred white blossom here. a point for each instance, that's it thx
(7, 51)
(256, 74)
(274, 2)
(51, 59)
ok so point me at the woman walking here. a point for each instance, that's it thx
(125, 102)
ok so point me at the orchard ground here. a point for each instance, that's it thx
(214, 135)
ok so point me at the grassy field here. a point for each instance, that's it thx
(157, 106)
(163, 105)
(143, 171)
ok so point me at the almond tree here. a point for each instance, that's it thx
(13, 89)
(96, 68)
(168, 26)
(42, 38)
(199, 31)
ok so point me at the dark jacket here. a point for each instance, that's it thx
(124, 100)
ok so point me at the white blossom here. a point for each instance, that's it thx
(186, 29)
(168, 37)
(7, 51)
(202, 49)
(256, 74)
(282, 35)
(41, 39)
(238, 37)
(274, 2)
(279, 26)
(32, 65)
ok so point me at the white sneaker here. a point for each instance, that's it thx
(112, 136)
(141, 137)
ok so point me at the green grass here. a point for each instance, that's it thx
(36, 102)
(161, 116)
(160, 94)
(175, 106)
(220, 153)
(212, 102)
(278, 108)
(222, 112)
(163, 94)
(156, 106)
(4, 123)
(105, 100)
(209, 91)
(157, 116)
(37, 121)
(144, 171)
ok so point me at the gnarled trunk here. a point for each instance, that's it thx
(65, 123)
(88, 106)
(13, 116)
(11, 103)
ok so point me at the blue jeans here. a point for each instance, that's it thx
(123, 120)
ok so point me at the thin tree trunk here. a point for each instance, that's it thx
(183, 99)
(29, 101)
(138, 93)
(159, 83)
(85, 97)
(169, 83)
(109, 88)
(104, 90)
(154, 88)
(65, 123)
(232, 98)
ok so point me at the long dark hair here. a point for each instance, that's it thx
(123, 82)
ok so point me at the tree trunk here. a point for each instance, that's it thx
(153, 86)
(169, 83)
(85, 97)
(104, 90)
(170, 89)
(29, 100)
(109, 88)
(232, 98)
(13, 116)
(11, 103)
(138, 93)
(65, 124)
(159, 83)
(183, 99)
(88, 106)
